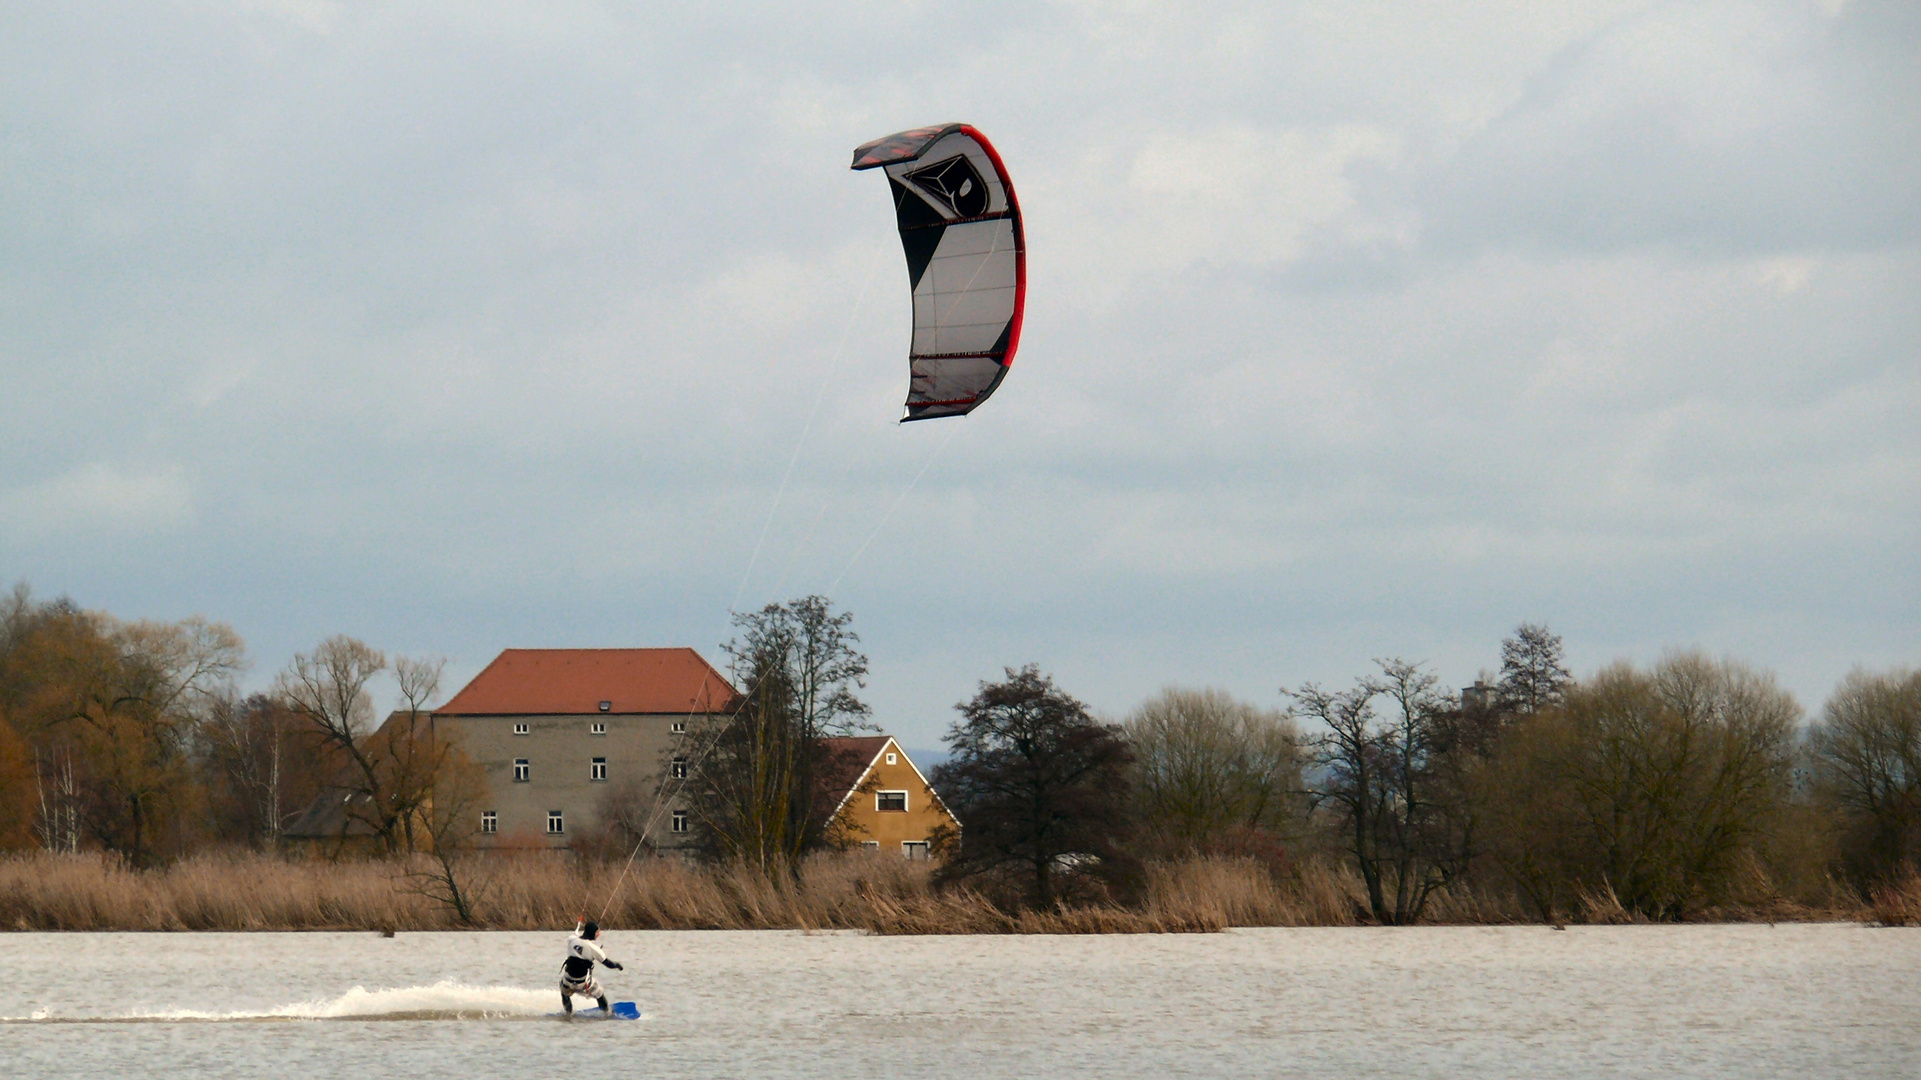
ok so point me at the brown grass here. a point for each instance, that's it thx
(524, 892)
(880, 894)
(1899, 903)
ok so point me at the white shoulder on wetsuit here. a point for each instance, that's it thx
(585, 949)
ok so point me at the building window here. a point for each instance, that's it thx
(678, 769)
(680, 821)
(597, 729)
(521, 770)
(886, 801)
(489, 821)
(680, 727)
(915, 850)
(605, 705)
(520, 729)
(893, 759)
(600, 768)
(870, 845)
(555, 822)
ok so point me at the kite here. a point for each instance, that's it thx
(966, 262)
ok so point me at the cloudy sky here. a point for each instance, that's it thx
(1353, 330)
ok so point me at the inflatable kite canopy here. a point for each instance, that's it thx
(966, 262)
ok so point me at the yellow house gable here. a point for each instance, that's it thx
(890, 805)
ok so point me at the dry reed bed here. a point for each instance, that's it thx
(875, 893)
(1898, 904)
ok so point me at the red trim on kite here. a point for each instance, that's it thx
(1020, 244)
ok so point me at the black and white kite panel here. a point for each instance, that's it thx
(960, 227)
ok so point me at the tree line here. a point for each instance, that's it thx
(1667, 789)
(132, 738)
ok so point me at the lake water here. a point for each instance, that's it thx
(1684, 1001)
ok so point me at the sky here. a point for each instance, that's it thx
(1353, 330)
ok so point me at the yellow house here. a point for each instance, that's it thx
(884, 801)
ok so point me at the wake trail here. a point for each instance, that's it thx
(445, 1000)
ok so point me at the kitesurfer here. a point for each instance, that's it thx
(577, 972)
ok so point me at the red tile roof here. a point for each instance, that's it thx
(849, 758)
(846, 762)
(542, 682)
(864, 747)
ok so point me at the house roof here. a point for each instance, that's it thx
(326, 817)
(864, 747)
(848, 760)
(851, 758)
(545, 682)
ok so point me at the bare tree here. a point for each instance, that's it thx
(815, 652)
(1209, 769)
(390, 769)
(1649, 785)
(35, 702)
(1867, 750)
(758, 790)
(1040, 786)
(17, 790)
(1384, 784)
(263, 767)
(327, 688)
(750, 795)
(1347, 754)
(415, 754)
(1428, 821)
(115, 708)
(452, 871)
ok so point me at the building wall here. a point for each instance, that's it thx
(863, 821)
(560, 752)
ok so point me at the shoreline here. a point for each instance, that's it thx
(244, 892)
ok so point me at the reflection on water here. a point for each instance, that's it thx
(1810, 1001)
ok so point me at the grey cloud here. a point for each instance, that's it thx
(500, 326)
(1740, 126)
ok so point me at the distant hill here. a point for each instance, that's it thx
(925, 758)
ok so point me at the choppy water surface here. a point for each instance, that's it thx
(1693, 1001)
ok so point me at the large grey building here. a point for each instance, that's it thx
(557, 730)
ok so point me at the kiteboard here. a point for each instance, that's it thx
(622, 1010)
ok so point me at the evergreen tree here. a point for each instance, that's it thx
(1532, 675)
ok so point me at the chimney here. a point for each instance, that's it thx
(1478, 697)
